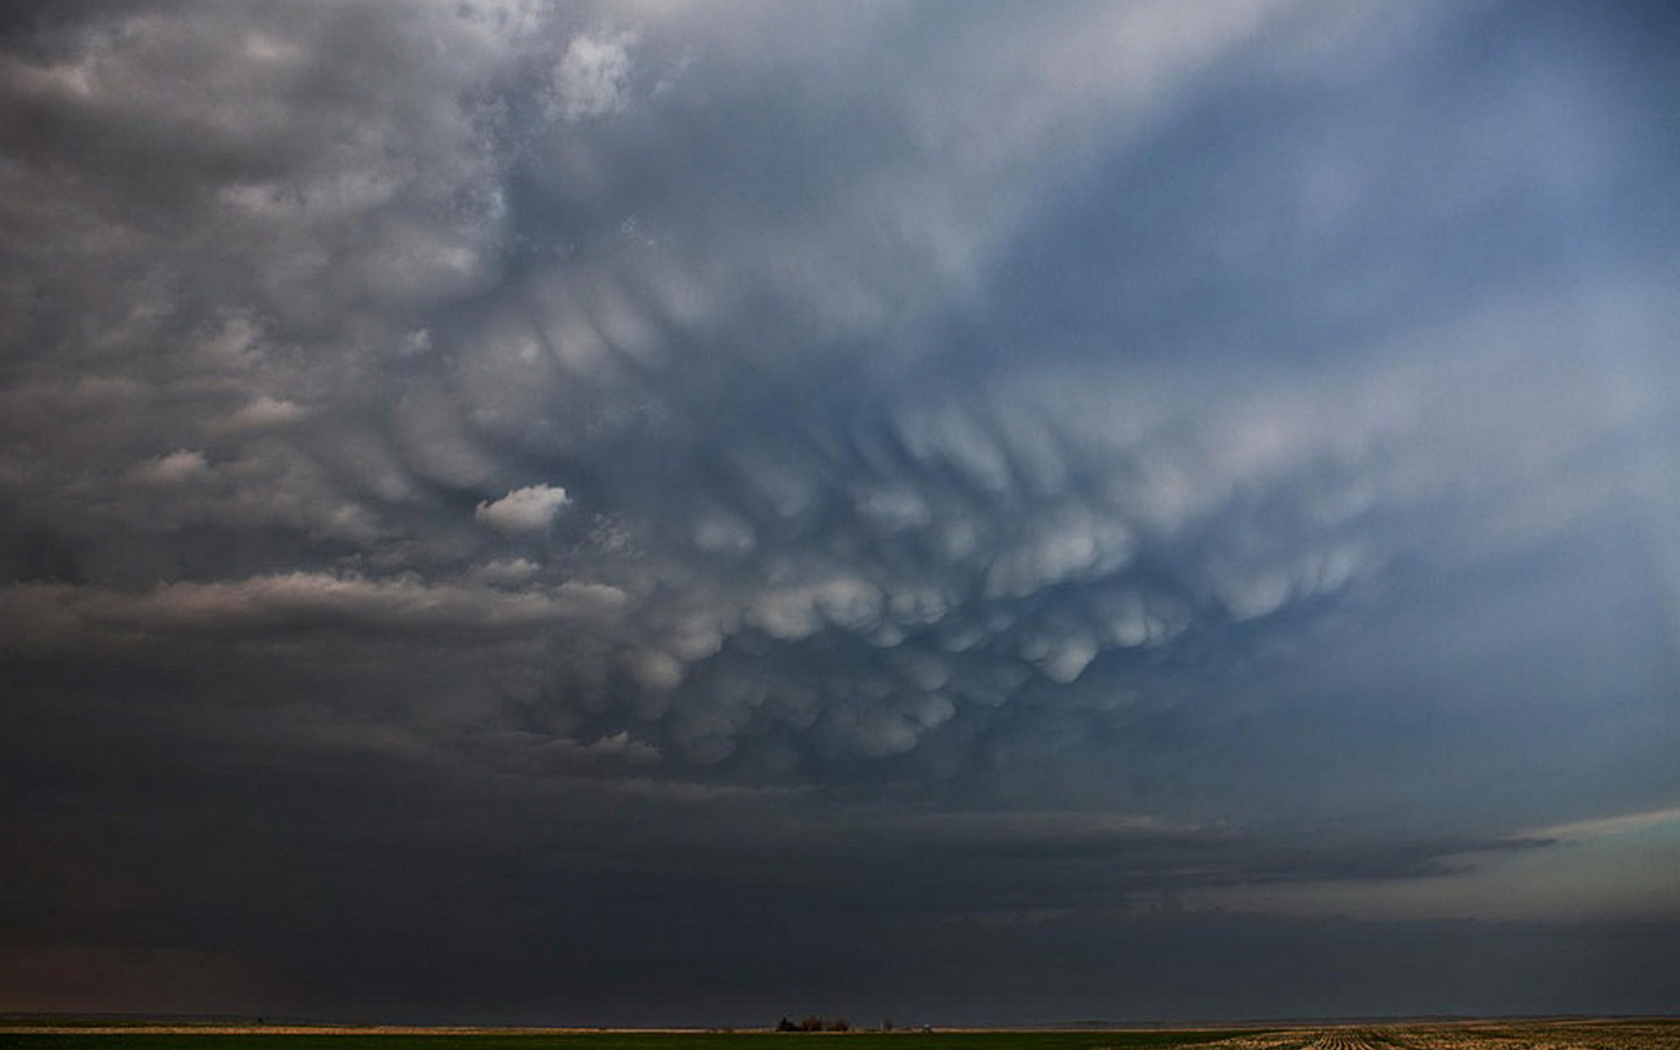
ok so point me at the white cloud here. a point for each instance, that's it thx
(655, 670)
(1129, 619)
(506, 572)
(1068, 658)
(723, 533)
(1607, 826)
(180, 466)
(593, 77)
(1072, 545)
(530, 509)
(849, 603)
(698, 635)
(36, 615)
(621, 745)
(262, 412)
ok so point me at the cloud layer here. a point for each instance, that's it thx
(991, 465)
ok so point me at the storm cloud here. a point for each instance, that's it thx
(625, 482)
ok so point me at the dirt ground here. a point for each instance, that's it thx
(1505, 1035)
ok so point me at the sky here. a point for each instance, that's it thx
(967, 513)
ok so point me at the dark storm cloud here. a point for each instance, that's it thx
(967, 464)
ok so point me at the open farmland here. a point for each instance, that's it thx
(1650, 1034)
(1506, 1035)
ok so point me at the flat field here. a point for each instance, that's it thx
(1646, 1034)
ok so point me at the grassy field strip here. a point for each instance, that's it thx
(1539, 1035)
(131, 1038)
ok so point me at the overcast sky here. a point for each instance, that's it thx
(964, 512)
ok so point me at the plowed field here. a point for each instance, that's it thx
(1538, 1035)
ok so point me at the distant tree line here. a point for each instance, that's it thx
(814, 1023)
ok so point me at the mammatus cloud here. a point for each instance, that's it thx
(1064, 456)
(892, 534)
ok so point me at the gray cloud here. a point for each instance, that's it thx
(1052, 457)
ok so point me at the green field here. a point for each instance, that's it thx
(1573, 1034)
(1103, 1040)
